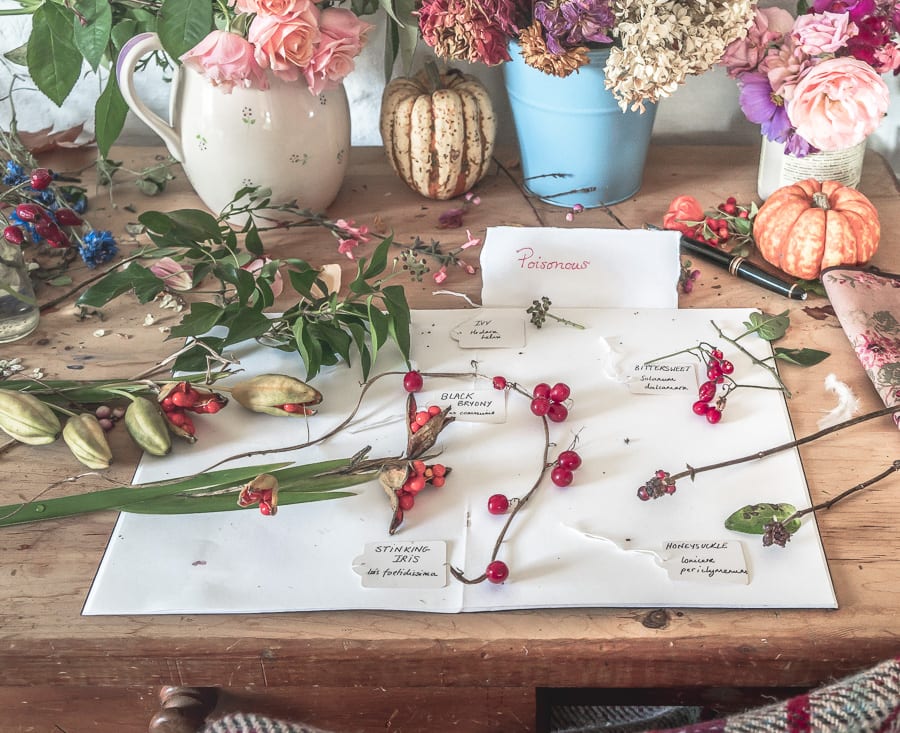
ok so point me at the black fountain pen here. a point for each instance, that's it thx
(739, 267)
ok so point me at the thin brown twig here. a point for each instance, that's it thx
(522, 190)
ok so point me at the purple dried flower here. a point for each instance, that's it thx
(574, 22)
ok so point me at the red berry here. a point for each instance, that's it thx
(407, 501)
(560, 392)
(713, 371)
(419, 467)
(177, 418)
(434, 410)
(557, 412)
(497, 571)
(437, 481)
(422, 417)
(717, 354)
(67, 217)
(561, 476)
(498, 504)
(707, 391)
(266, 509)
(569, 459)
(713, 415)
(643, 494)
(439, 469)
(41, 178)
(701, 407)
(726, 366)
(542, 391)
(183, 399)
(540, 406)
(29, 212)
(14, 234)
(415, 484)
(412, 381)
(499, 382)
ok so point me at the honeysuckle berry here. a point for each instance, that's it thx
(541, 391)
(498, 504)
(497, 571)
(540, 406)
(14, 234)
(41, 178)
(560, 392)
(561, 477)
(569, 459)
(557, 412)
(412, 381)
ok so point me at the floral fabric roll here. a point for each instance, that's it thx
(867, 304)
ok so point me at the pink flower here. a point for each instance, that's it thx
(783, 66)
(342, 37)
(271, 7)
(175, 275)
(346, 247)
(472, 241)
(226, 59)
(440, 275)
(254, 267)
(684, 213)
(360, 233)
(769, 26)
(820, 33)
(286, 44)
(838, 103)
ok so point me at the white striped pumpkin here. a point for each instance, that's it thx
(438, 130)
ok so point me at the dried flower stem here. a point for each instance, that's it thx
(771, 369)
(691, 471)
(895, 466)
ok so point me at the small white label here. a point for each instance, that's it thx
(491, 332)
(403, 565)
(470, 405)
(662, 378)
(705, 562)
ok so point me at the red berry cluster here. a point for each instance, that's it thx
(183, 398)
(716, 230)
(418, 478)
(660, 485)
(46, 223)
(718, 369)
(265, 497)
(549, 401)
(564, 470)
(422, 417)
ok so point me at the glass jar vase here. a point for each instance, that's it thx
(19, 312)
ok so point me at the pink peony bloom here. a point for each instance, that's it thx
(175, 275)
(286, 45)
(342, 37)
(820, 33)
(783, 67)
(254, 266)
(271, 7)
(769, 26)
(226, 59)
(838, 103)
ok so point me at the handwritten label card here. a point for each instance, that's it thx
(403, 565)
(470, 405)
(507, 331)
(720, 561)
(661, 378)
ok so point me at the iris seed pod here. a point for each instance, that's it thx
(277, 394)
(25, 418)
(147, 427)
(87, 441)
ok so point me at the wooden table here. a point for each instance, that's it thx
(356, 671)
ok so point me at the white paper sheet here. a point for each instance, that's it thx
(302, 559)
(580, 268)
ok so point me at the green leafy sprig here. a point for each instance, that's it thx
(321, 326)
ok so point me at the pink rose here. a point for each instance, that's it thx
(286, 45)
(769, 26)
(819, 33)
(784, 66)
(342, 38)
(271, 7)
(226, 59)
(838, 103)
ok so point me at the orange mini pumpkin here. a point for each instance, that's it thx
(808, 226)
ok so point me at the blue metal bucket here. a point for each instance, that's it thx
(576, 144)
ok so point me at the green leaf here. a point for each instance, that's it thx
(340, 341)
(247, 324)
(813, 286)
(122, 32)
(309, 348)
(801, 357)
(109, 113)
(18, 56)
(92, 30)
(753, 518)
(145, 284)
(201, 319)
(196, 359)
(769, 327)
(398, 310)
(379, 259)
(358, 332)
(199, 226)
(183, 24)
(253, 242)
(379, 327)
(53, 60)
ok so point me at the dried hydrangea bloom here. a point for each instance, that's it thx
(570, 23)
(469, 30)
(537, 55)
(662, 43)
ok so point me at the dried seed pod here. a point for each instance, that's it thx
(392, 476)
(87, 440)
(277, 394)
(423, 438)
(25, 418)
(147, 426)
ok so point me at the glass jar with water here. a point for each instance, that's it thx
(19, 312)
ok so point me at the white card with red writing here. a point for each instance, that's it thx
(580, 268)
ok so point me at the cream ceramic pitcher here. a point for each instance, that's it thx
(283, 138)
